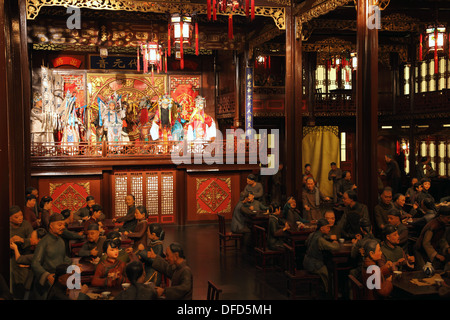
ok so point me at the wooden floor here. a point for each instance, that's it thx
(234, 272)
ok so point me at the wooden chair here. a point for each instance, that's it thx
(74, 248)
(357, 288)
(213, 291)
(226, 237)
(298, 276)
(262, 253)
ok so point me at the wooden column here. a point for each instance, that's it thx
(237, 67)
(394, 61)
(15, 87)
(311, 60)
(412, 93)
(366, 108)
(293, 104)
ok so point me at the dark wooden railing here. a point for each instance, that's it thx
(153, 149)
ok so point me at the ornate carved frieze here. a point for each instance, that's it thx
(165, 7)
(335, 46)
(319, 8)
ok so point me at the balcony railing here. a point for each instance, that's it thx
(152, 149)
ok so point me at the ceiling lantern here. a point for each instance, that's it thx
(151, 56)
(180, 33)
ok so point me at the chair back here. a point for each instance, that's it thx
(213, 291)
(290, 257)
(222, 227)
(260, 238)
(357, 288)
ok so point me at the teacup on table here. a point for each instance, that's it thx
(341, 240)
(125, 286)
(439, 281)
(397, 274)
(105, 294)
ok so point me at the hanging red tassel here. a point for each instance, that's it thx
(269, 62)
(214, 10)
(165, 60)
(153, 78)
(421, 47)
(247, 8)
(181, 46)
(436, 59)
(145, 59)
(169, 39)
(138, 62)
(208, 9)
(253, 9)
(230, 26)
(196, 38)
(265, 63)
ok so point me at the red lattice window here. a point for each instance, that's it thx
(154, 189)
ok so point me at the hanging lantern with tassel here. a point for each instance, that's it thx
(435, 39)
(180, 32)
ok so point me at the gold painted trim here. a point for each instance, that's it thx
(167, 6)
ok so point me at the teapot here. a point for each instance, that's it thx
(428, 269)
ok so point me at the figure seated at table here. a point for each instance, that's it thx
(292, 215)
(58, 291)
(137, 289)
(373, 256)
(239, 216)
(335, 231)
(432, 245)
(276, 228)
(353, 212)
(111, 271)
(316, 245)
(253, 204)
(393, 252)
(95, 216)
(92, 249)
(357, 252)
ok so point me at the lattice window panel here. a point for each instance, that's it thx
(167, 190)
(137, 187)
(152, 194)
(120, 192)
(154, 189)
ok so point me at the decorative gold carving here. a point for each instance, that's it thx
(167, 6)
(392, 22)
(213, 195)
(334, 46)
(267, 34)
(53, 186)
(382, 4)
(320, 7)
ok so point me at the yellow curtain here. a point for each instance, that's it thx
(320, 147)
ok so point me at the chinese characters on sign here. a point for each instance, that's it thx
(66, 61)
(248, 100)
(113, 62)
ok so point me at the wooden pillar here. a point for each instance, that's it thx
(311, 60)
(394, 61)
(293, 105)
(237, 89)
(412, 93)
(15, 100)
(366, 108)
